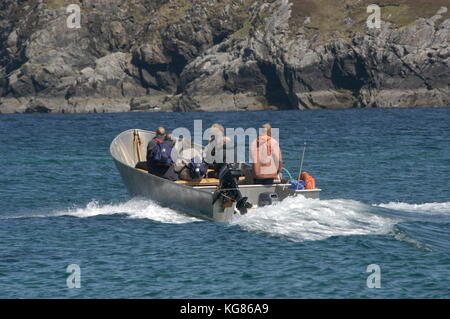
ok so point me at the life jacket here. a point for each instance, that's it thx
(161, 155)
(197, 168)
(309, 181)
(266, 155)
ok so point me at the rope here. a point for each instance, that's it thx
(290, 176)
(137, 143)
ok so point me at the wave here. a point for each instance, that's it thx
(301, 219)
(435, 208)
(134, 208)
(401, 234)
(296, 219)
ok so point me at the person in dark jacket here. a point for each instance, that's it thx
(217, 148)
(155, 165)
(222, 156)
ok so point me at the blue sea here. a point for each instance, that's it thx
(385, 180)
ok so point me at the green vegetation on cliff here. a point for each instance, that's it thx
(328, 19)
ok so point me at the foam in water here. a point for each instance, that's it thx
(134, 208)
(439, 208)
(295, 218)
(401, 235)
(301, 219)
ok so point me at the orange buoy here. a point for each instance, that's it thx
(309, 180)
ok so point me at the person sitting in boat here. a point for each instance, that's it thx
(217, 148)
(221, 155)
(266, 156)
(217, 132)
(189, 163)
(159, 155)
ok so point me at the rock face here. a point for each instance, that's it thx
(184, 55)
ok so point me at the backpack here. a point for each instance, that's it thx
(197, 169)
(161, 155)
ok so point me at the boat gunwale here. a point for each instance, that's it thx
(142, 172)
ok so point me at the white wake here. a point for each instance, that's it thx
(295, 218)
(134, 208)
(436, 208)
(301, 219)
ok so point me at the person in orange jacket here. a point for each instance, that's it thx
(266, 156)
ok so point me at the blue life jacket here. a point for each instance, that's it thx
(161, 155)
(297, 185)
(197, 168)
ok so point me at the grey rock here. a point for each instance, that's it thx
(185, 55)
(154, 103)
(12, 105)
(96, 105)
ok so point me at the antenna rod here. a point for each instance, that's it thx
(301, 163)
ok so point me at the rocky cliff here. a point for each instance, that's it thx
(184, 55)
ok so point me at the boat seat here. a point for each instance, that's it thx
(203, 182)
(206, 182)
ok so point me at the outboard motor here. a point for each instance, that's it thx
(229, 188)
(266, 199)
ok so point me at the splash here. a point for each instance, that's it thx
(435, 208)
(301, 219)
(134, 208)
(296, 219)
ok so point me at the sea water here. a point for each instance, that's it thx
(385, 180)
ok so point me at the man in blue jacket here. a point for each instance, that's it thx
(159, 159)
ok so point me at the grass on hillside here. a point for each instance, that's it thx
(328, 17)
